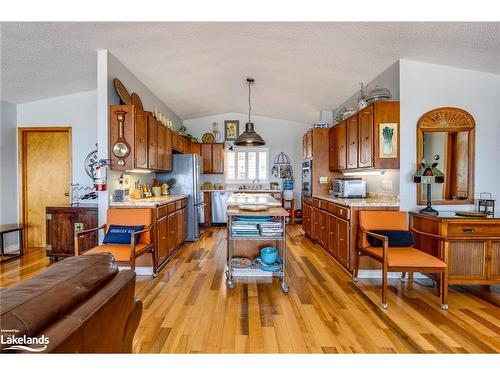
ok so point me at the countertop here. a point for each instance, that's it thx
(238, 198)
(148, 202)
(381, 200)
(244, 191)
(272, 211)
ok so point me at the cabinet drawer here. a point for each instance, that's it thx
(184, 202)
(308, 201)
(316, 202)
(333, 209)
(323, 205)
(162, 211)
(473, 229)
(171, 208)
(178, 205)
(343, 212)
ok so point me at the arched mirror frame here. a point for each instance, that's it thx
(448, 119)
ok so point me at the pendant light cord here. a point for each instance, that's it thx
(249, 102)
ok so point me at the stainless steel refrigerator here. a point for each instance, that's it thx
(187, 170)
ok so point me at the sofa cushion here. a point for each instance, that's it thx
(37, 303)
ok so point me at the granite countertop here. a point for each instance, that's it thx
(238, 198)
(245, 190)
(148, 202)
(372, 200)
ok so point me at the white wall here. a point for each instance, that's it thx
(8, 165)
(428, 86)
(77, 111)
(109, 68)
(279, 135)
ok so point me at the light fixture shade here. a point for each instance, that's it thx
(428, 173)
(249, 137)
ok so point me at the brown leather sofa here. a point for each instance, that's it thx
(81, 304)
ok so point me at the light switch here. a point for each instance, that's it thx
(387, 184)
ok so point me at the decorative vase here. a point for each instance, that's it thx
(156, 191)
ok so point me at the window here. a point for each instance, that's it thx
(245, 164)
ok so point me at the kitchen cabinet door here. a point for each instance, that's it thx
(333, 241)
(152, 143)
(172, 229)
(162, 155)
(206, 154)
(304, 147)
(141, 141)
(217, 158)
(162, 233)
(179, 235)
(196, 148)
(343, 230)
(365, 119)
(341, 146)
(309, 144)
(352, 142)
(168, 149)
(324, 228)
(316, 223)
(306, 219)
(332, 151)
(184, 224)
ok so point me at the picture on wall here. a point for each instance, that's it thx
(231, 130)
(388, 141)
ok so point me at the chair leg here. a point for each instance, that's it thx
(444, 289)
(384, 286)
(155, 263)
(403, 276)
(356, 266)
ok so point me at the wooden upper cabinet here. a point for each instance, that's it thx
(141, 140)
(206, 154)
(341, 137)
(309, 144)
(333, 154)
(304, 147)
(162, 152)
(153, 143)
(217, 158)
(365, 139)
(168, 149)
(196, 148)
(352, 142)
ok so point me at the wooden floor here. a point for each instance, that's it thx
(188, 309)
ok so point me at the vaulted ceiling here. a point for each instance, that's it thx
(199, 69)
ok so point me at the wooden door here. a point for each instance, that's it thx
(343, 241)
(162, 140)
(332, 151)
(206, 154)
(196, 148)
(162, 233)
(153, 143)
(217, 158)
(495, 261)
(468, 259)
(352, 142)
(46, 177)
(168, 149)
(333, 236)
(365, 118)
(141, 141)
(341, 146)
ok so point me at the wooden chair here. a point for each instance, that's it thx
(397, 259)
(126, 254)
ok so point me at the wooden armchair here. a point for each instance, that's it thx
(397, 259)
(126, 254)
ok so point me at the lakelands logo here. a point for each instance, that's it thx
(24, 343)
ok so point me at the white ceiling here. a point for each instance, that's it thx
(199, 69)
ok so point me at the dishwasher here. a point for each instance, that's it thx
(219, 206)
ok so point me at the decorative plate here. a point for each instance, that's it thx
(208, 138)
(122, 92)
(136, 100)
(89, 164)
(253, 207)
(241, 262)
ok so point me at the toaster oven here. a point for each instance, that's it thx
(349, 188)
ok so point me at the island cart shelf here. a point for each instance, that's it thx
(278, 215)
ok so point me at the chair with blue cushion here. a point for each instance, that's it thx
(129, 234)
(386, 237)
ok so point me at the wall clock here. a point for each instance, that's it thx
(120, 148)
(90, 162)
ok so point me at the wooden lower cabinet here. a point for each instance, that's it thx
(63, 222)
(471, 248)
(162, 239)
(306, 219)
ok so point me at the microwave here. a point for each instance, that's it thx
(349, 188)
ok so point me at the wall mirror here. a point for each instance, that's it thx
(448, 133)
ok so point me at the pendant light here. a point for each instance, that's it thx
(249, 137)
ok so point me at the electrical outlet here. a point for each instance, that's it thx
(387, 184)
(323, 180)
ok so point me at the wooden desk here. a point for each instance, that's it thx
(471, 246)
(8, 228)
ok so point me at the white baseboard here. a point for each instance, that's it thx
(377, 274)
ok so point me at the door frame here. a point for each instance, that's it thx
(21, 147)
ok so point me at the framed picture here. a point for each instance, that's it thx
(388, 141)
(231, 130)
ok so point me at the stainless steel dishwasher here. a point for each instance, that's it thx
(219, 199)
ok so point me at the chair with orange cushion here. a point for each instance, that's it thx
(126, 254)
(397, 259)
